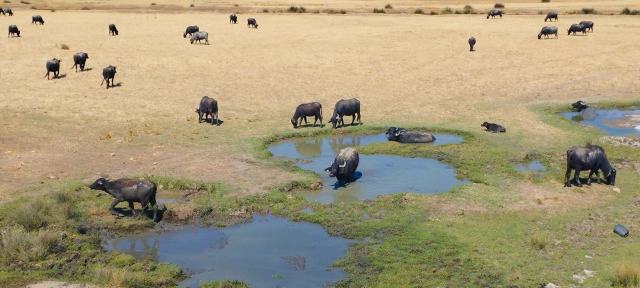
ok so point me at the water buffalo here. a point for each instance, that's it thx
(492, 127)
(403, 136)
(590, 158)
(13, 31)
(233, 19)
(307, 109)
(190, 30)
(79, 59)
(587, 113)
(343, 108)
(472, 42)
(208, 106)
(547, 30)
(344, 165)
(140, 191)
(37, 19)
(493, 13)
(550, 16)
(7, 11)
(577, 28)
(197, 36)
(252, 22)
(108, 72)
(53, 65)
(112, 30)
(587, 24)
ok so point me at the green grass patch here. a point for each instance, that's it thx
(224, 284)
(625, 275)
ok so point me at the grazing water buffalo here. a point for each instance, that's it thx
(546, 30)
(197, 36)
(53, 65)
(587, 24)
(403, 136)
(37, 19)
(252, 22)
(79, 59)
(108, 72)
(344, 165)
(472, 42)
(208, 106)
(233, 19)
(308, 109)
(494, 12)
(343, 108)
(112, 30)
(13, 31)
(190, 30)
(492, 127)
(7, 11)
(550, 16)
(141, 191)
(577, 28)
(586, 112)
(590, 158)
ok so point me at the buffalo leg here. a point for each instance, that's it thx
(199, 116)
(576, 176)
(353, 119)
(133, 210)
(567, 177)
(359, 121)
(217, 121)
(112, 209)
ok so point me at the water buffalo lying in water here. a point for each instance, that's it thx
(13, 31)
(403, 136)
(208, 106)
(590, 158)
(492, 127)
(586, 112)
(79, 59)
(233, 19)
(577, 28)
(53, 65)
(108, 72)
(307, 109)
(112, 30)
(140, 191)
(190, 30)
(37, 19)
(472, 42)
(343, 108)
(344, 166)
(547, 30)
(494, 12)
(550, 16)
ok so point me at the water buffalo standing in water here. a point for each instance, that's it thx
(13, 31)
(53, 65)
(590, 158)
(37, 19)
(307, 109)
(112, 30)
(587, 113)
(208, 106)
(551, 15)
(190, 30)
(197, 36)
(233, 19)
(588, 25)
(344, 165)
(7, 11)
(472, 42)
(108, 72)
(493, 13)
(79, 59)
(140, 191)
(576, 28)
(252, 22)
(403, 136)
(547, 30)
(492, 127)
(343, 108)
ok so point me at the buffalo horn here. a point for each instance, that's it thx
(343, 165)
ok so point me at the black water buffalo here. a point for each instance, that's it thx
(37, 19)
(233, 19)
(252, 22)
(140, 191)
(208, 106)
(197, 36)
(79, 59)
(112, 30)
(587, 113)
(7, 11)
(577, 28)
(547, 30)
(493, 13)
(492, 127)
(590, 158)
(13, 31)
(307, 109)
(344, 165)
(587, 24)
(472, 42)
(343, 108)
(108, 72)
(551, 15)
(53, 65)
(190, 30)
(403, 136)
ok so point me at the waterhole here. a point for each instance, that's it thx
(612, 122)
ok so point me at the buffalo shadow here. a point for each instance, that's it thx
(86, 69)
(126, 212)
(210, 120)
(311, 125)
(583, 180)
(356, 175)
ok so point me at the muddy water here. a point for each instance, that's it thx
(378, 174)
(612, 122)
(534, 166)
(268, 252)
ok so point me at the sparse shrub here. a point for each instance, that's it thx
(468, 9)
(447, 10)
(540, 12)
(295, 9)
(34, 8)
(105, 135)
(25, 2)
(153, 3)
(265, 10)
(86, 8)
(625, 275)
(388, 6)
(343, 11)
(33, 215)
(588, 11)
(457, 12)
(53, 10)
(545, 1)
(6, 1)
(330, 11)
(376, 10)
(434, 13)
(418, 11)
(18, 245)
(192, 5)
(498, 5)
(539, 241)
(625, 11)
(64, 47)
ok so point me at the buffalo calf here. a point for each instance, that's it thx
(252, 22)
(13, 31)
(35, 19)
(472, 42)
(492, 127)
(112, 30)
(308, 109)
(140, 191)
(233, 19)
(550, 16)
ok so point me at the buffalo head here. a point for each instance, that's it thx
(100, 184)
(580, 105)
(335, 168)
(334, 121)
(611, 178)
(294, 121)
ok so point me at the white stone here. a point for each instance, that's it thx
(578, 278)
(616, 189)
(550, 285)
(588, 273)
